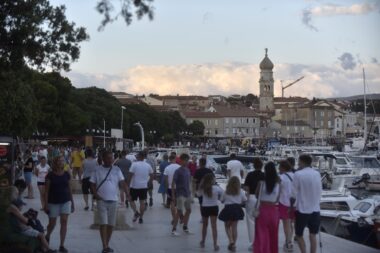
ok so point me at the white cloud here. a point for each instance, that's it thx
(334, 10)
(233, 78)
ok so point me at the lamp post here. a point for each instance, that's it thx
(138, 124)
(122, 114)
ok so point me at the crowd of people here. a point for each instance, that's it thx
(264, 196)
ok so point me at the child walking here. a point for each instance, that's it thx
(233, 199)
(211, 194)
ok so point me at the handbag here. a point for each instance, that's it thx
(256, 211)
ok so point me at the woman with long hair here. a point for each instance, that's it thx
(211, 194)
(58, 199)
(266, 225)
(233, 199)
(28, 172)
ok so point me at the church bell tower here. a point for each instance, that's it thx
(266, 84)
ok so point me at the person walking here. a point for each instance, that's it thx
(193, 168)
(28, 173)
(140, 175)
(105, 183)
(211, 194)
(233, 199)
(199, 174)
(162, 189)
(59, 200)
(235, 168)
(76, 164)
(250, 185)
(168, 175)
(285, 212)
(124, 164)
(181, 195)
(42, 169)
(306, 193)
(89, 167)
(266, 224)
(152, 162)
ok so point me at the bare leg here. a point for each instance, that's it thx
(85, 198)
(45, 244)
(142, 208)
(301, 244)
(213, 220)
(30, 191)
(313, 243)
(186, 217)
(133, 206)
(122, 196)
(204, 229)
(227, 226)
(176, 218)
(63, 230)
(287, 230)
(234, 231)
(173, 209)
(103, 235)
(41, 189)
(109, 234)
(51, 226)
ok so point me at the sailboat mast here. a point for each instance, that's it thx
(365, 110)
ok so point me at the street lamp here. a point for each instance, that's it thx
(138, 124)
(122, 114)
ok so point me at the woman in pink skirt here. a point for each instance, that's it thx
(266, 225)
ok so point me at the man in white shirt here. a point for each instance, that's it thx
(168, 175)
(306, 191)
(140, 174)
(105, 181)
(235, 168)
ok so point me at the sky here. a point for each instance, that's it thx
(213, 47)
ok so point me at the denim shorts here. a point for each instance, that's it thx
(107, 212)
(56, 210)
(28, 177)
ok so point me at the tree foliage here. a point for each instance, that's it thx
(196, 127)
(36, 34)
(141, 8)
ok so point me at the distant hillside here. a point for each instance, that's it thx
(374, 96)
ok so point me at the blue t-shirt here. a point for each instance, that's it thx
(181, 179)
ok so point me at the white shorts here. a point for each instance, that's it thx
(31, 232)
(184, 203)
(107, 212)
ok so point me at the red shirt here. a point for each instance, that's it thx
(192, 167)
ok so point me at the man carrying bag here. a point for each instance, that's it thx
(105, 183)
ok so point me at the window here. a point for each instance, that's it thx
(226, 120)
(303, 128)
(337, 206)
(216, 122)
(329, 123)
(287, 128)
(208, 122)
(234, 130)
(321, 123)
(216, 131)
(233, 121)
(247, 120)
(322, 113)
(362, 207)
(227, 130)
(241, 120)
(246, 130)
(295, 128)
(253, 120)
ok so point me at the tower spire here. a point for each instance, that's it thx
(266, 51)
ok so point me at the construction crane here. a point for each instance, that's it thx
(290, 84)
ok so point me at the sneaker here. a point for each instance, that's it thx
(186, 230)
(86, 208)
(141, 221)
(250, 248)
(136, 216)
(126, 204)
(63, 249)
(174, 233)
(109, 250)
(151, 202)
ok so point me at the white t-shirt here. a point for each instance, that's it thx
(217, 194)
(236, 199)
(307, 190)
(43, 153)
(286, 188)
(141, 171)
(109, 190)
(131, 158)
(235, 167)
(270, 197)
(42, 172)
(169, 171)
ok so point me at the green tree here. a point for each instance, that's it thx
(196, 127)
(140, 7)
(36, 34)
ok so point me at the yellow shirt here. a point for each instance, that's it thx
(77, 158)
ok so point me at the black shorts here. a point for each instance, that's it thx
(311, 221)
(207, 211)
(139, 194)
(168, 197)
(86, 186)
(41, 183)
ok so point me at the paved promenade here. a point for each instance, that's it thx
(154, 234)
